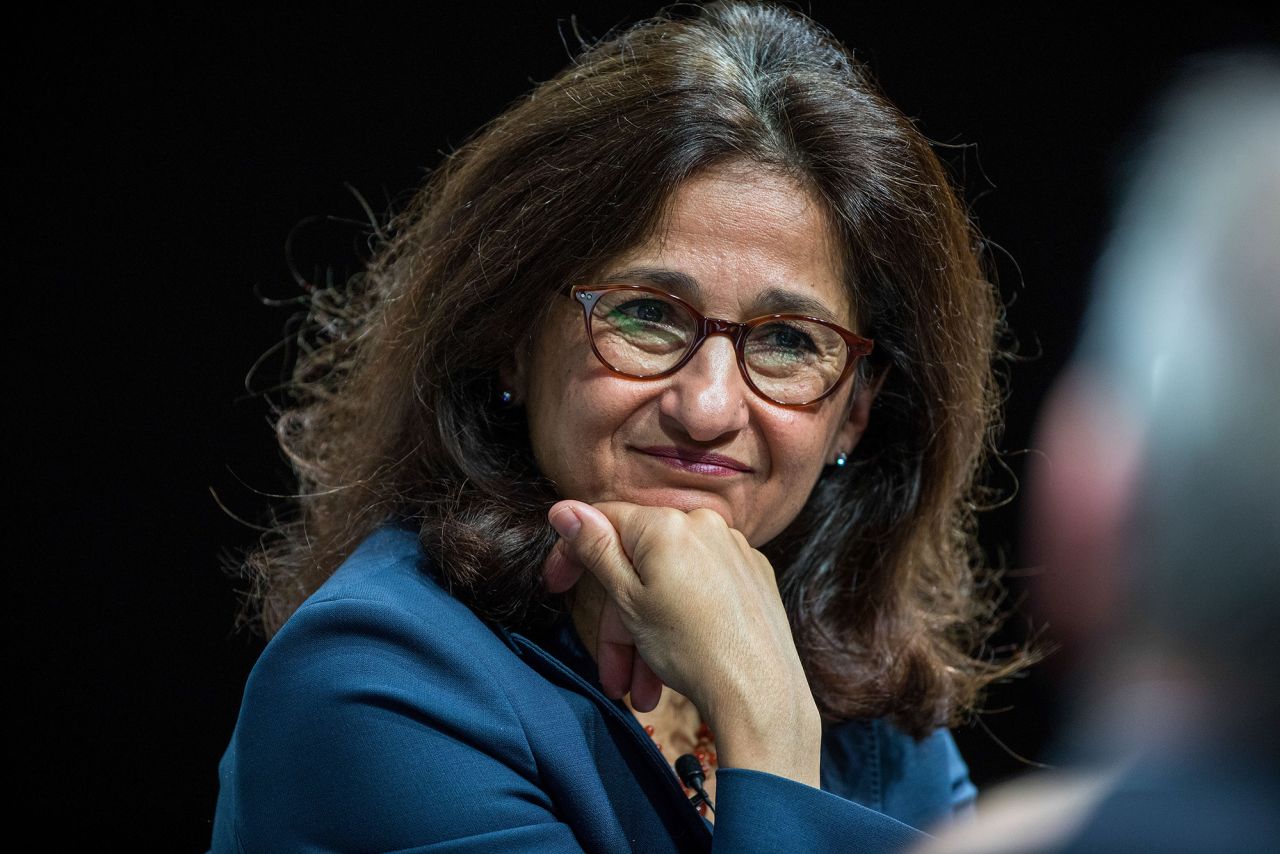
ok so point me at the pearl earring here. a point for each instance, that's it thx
(841, 459)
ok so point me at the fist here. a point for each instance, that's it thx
(688, 603)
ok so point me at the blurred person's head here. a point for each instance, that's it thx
(1157, 509)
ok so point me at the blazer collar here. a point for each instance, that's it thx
(562, 658)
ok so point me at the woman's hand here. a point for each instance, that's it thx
(702, 610)
(621, 670)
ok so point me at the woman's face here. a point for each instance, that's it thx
(749, 243)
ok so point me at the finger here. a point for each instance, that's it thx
(615, 652)
(646, 686)
(592, 543)
(642, 529)
(560, 572)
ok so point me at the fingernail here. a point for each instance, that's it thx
(566, 523)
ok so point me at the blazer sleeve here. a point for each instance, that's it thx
(355, 734)
(758, 812)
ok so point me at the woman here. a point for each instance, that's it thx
(651, 430)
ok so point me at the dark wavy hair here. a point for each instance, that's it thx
(392, 412)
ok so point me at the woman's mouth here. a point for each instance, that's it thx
(697, 462)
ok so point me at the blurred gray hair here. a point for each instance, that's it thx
(1185, 328)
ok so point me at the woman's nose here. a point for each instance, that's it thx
(708, 396)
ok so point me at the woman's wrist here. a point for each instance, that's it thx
(784, 741)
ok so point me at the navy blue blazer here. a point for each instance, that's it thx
(386, 716)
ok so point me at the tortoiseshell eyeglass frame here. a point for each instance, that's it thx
(588, 295)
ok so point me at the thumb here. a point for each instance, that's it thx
(560, 572)
(591, 541)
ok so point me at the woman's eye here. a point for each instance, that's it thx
(788, 338)
(647, 310)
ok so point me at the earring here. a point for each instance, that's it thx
(842, 459)
(506, 397)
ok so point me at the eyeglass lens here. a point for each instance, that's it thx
(789, 360)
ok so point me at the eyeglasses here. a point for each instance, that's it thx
(787, 359)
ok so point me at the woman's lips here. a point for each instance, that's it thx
(697, 461)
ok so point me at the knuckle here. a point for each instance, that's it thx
(767, 571)
(707, 518)
(670, 514)
(668, 519)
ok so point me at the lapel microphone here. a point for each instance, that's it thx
(689, 770)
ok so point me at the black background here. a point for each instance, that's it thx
(161, 161)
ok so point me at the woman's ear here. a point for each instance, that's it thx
(851, 430)
(511, 378)
(514, 373)
(522, 368)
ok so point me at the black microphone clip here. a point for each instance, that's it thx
(690, 771)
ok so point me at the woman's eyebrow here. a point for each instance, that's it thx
(772, 300)
(680, 284)
(781, 301)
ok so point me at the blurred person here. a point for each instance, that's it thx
(1156, 507)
